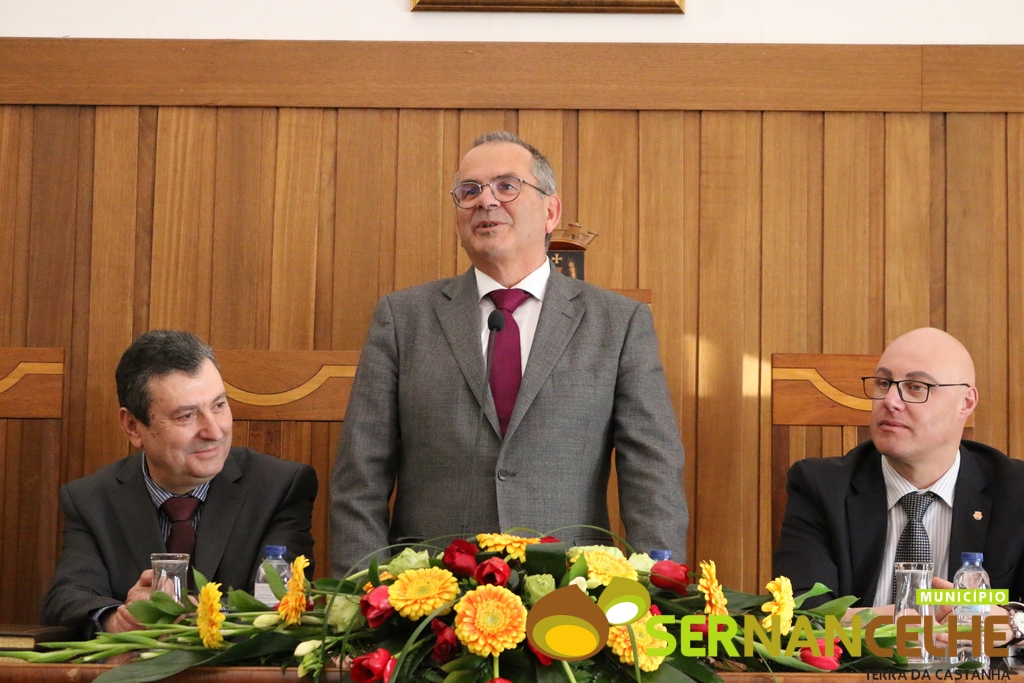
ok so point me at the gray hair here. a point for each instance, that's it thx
(541, 169)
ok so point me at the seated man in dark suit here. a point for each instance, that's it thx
(174, 407)
(845, 518)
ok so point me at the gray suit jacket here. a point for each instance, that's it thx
(593, 382)
(111, 528)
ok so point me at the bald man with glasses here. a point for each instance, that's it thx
(847, 518)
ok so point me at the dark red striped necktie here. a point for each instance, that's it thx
(507, 362)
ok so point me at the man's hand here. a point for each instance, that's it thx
(121, 620)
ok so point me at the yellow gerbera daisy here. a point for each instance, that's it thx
(603, 567)
(514, 546)
(782, 605)
(209, 617)
(293, 604)
(490, 620)
(384, 576)
(418, 592)
(618, 641)
(712, 590)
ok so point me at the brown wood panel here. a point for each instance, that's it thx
(726, 507)
(1015, 281)
(11, 157)
(976, 260)
(183, 219)
(791, 274)
(110, 310)
(907, 223)
(453, 257)
(608, 195)
(364, 214)
(321, 455)
(144, 217)
(422, 188)
(324, 297)
(667, 252)
(972, 78)
(937, 190)
(296, 221)
(31, 382)
(419, 74)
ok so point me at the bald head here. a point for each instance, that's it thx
(935, 353)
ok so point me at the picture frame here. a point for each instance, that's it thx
(592, 6)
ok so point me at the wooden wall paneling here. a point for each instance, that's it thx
(569, 182)
(183, 219)
(110, 311)
(11, 156)
(146, 186)
(852, 242)
(937, 192)
(668, 242)
(363, 196)
(453, 257)
(296, 224)
(321, 456)
(608, 195)
(421, 182)
(265, 225)
(791, 276)
(908, 171)
(976, 260)
(236, 277)
(972, 78)
(1015, 282)
(324, 297)
(389, 201)
(544, 128)
(726, 507)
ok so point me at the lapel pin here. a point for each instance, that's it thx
(977, 515)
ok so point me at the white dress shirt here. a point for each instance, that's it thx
(536, 283)
(938, 519)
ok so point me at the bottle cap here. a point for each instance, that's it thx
(659, 555)
(274, 550)
(972, 557)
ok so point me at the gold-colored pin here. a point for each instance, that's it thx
(977, 515)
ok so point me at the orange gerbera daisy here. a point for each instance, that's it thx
(603, 567)
(209, 617)
(712, 590)
(514, 546)
(384, 576)
(418, 592)
(293, 604)
(618, 641)
(490, 620)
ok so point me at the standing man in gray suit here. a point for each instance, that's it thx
(589, 380)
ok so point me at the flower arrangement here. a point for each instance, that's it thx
(474, 612)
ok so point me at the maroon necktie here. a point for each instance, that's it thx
(507, 362)
(182, 538)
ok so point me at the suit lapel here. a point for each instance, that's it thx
(459, 315)
(867, 520)
(136, 514)
(223, 503)
(968, 528)
(560, 316)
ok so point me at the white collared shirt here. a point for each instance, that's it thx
(938, 520)
(528, 313)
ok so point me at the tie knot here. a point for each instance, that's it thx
(508, 300)
(180, 509)
(916, 503)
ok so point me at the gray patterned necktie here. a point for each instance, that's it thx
(913, 545)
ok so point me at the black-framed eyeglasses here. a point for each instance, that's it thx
(910, 390)
(504, 189)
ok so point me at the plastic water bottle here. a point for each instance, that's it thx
(970, 575)
(274, 554)
(659, 555)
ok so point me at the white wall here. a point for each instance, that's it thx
(705, 21)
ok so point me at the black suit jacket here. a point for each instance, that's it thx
(836, 518)
(111, 528)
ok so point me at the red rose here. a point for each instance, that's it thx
(541, 657)
(389, 668)
(549, 539)
(460, 557)
(447, 645)
(822, 661)
(376, 666)
(494, 571)
(376, 607)
(499, 680)
(655, 610)
(671, 576)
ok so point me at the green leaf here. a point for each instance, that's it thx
(579, 568)
(464, 663)
(836, 608)
(274, 579)
(200, 579)
(666, 674)
(166, 604)
(240, 601)
(694, 668)
(551, 674)
(155, 669)
(868, 663)
(147, 613)
(792, 662)
(466, 676)
(816, 590)
(373, 573)
(546, 558)
(259, 646)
